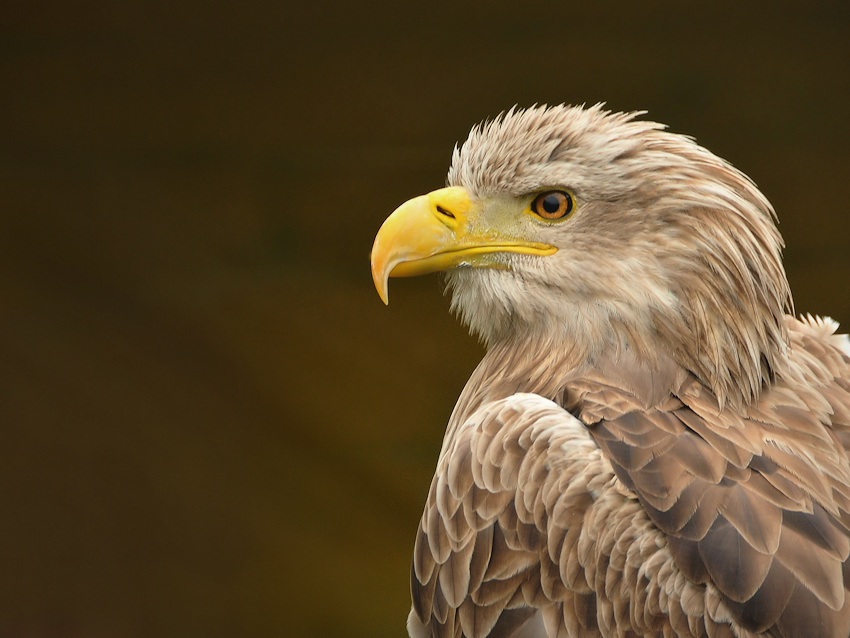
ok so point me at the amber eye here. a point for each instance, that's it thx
(553, 204)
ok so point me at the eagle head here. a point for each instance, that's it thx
(594, 231)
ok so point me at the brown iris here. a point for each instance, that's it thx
(553, 204)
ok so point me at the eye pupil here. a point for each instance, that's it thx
(553, 205)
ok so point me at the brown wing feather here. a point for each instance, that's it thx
(554, 541)
(756, 504)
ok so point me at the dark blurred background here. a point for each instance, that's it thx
(211, 425)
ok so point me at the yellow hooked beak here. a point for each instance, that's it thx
(432, 232)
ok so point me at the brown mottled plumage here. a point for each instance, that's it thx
(650, 446)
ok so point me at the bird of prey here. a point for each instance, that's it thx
(652, 444)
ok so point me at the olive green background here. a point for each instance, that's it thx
(211, 426)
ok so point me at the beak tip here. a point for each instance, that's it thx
(380, 279)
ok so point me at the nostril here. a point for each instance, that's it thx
(445, 212)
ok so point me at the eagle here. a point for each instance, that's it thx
(653, 444)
